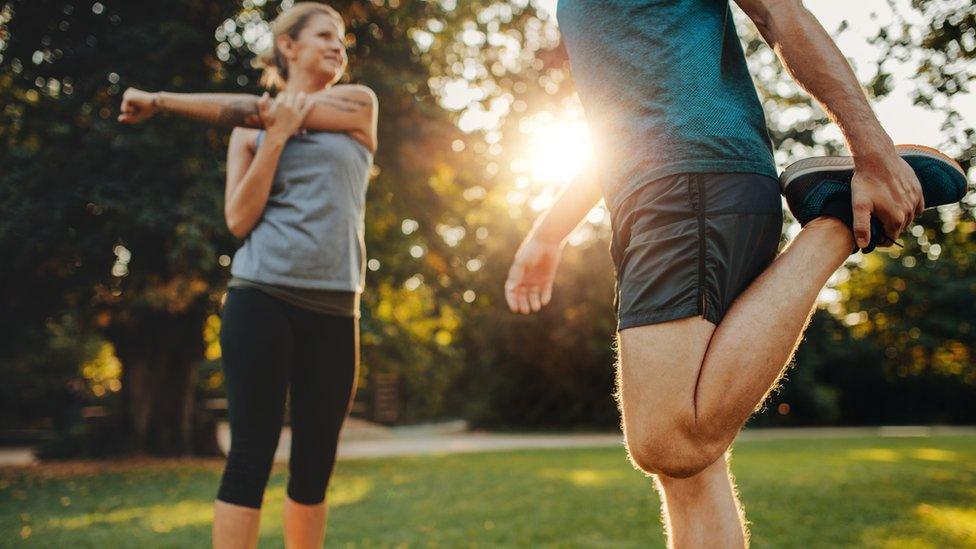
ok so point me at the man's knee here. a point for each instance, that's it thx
(673, 452)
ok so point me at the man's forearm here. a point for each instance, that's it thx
(573, 202)
(814, 61)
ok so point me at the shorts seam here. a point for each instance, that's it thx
(702, 245)
(722, 214)
(657, 316)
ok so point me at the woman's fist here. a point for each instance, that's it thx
(137, 105)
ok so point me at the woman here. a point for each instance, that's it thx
(290, 322)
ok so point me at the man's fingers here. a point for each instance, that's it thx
(511, 285)
(897, 224)
(515, 295)
(891, 229)
(547, 294)
(523, 301)
(862, 225)
(510, 297)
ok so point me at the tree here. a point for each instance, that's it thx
(122, 227)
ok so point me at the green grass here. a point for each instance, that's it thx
(871, 492)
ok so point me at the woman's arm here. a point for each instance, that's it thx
(251, 168)
(350, 109)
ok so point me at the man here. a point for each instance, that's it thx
(708, 314)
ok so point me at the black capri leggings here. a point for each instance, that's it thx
(270, 347)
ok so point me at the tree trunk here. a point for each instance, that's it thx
(160, 355)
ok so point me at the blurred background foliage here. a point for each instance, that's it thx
(115, 254)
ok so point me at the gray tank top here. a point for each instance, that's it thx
(310, 235)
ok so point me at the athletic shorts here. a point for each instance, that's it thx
(688, 244)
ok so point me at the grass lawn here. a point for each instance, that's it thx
(871, 492)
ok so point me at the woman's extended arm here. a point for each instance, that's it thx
(350, 109)
(250, 169)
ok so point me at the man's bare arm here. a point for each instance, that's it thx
(816, 64)
(572, 204)
(884, 184)
(533, 271)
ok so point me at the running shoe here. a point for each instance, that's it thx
(822, 186)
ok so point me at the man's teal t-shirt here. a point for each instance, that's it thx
(666, 90)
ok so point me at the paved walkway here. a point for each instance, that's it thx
(16, 456)
(443, 439)
(471, 442)
(369, 441)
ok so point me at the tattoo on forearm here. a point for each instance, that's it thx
(342, 103)
(243, 112)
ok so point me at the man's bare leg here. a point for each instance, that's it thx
(703, 510)
(681, 412)
(686, 387)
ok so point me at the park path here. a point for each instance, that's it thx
(362, 440)
(413, 441)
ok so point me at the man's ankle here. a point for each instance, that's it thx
(829, 223)
(835, 229)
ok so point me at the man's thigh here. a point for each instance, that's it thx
(659, 369)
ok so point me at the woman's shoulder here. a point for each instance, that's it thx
(359, 104)
(363, 95)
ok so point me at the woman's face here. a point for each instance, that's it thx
(319, 49)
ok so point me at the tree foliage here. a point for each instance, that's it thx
(116, 233)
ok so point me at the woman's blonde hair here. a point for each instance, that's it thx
(290, 22)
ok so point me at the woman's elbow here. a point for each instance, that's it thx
(237, 226)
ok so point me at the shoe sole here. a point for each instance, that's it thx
(846, 163)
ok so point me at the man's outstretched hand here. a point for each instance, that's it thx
(530, 278)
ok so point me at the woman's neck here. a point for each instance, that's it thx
(303, 82)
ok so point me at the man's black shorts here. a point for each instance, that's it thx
(689, 244)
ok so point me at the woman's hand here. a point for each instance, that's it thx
(529, 285)
(282, 116)
(137, 105)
